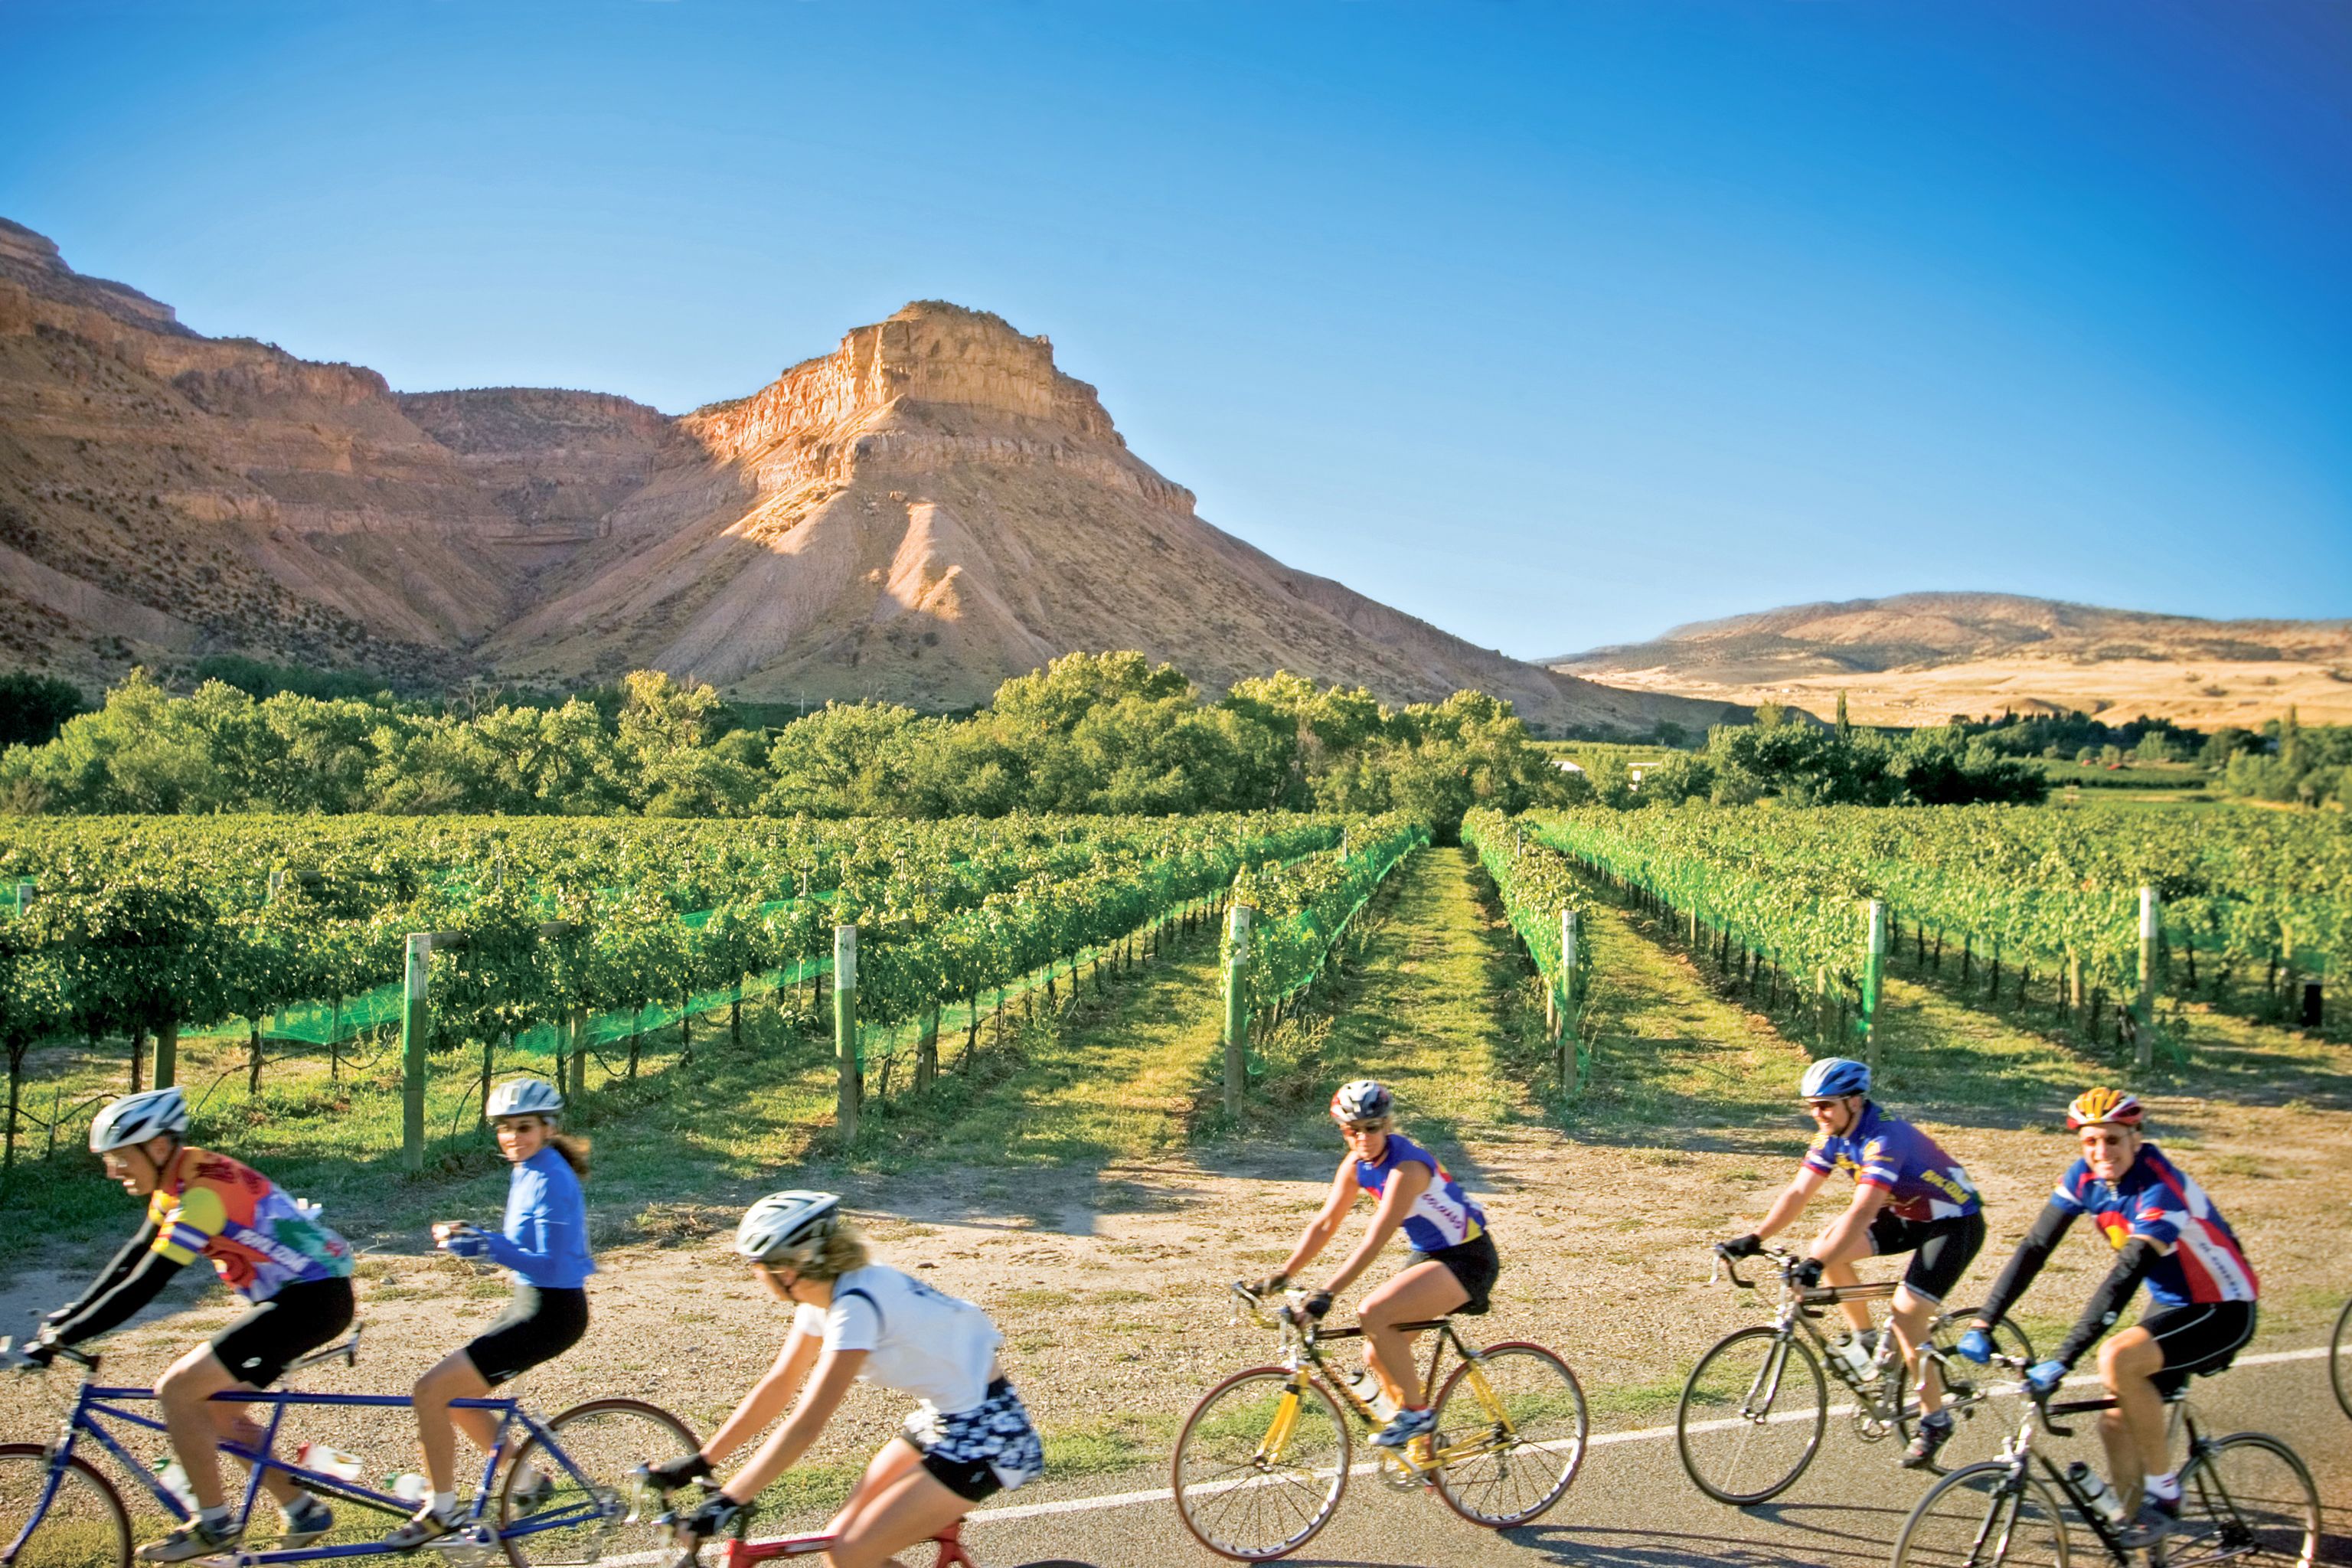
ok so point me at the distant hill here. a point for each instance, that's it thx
(930, 509)
(1919, 658)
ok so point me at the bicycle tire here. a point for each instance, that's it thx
(1989, 1415)
(1545, 1406)
(1942, 1518)
(1744, 1426)
(94, 1530)
(1224, 1417)
(2249, 1517)
(2339, 1359)
(632, 1433)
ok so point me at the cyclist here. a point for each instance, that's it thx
(2202, 1293)
(1908, 1196)
(1452, 1265)
(294, 1273)
(544, 1244)
(968, 1439)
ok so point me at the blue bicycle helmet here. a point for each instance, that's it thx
(1833, 1077)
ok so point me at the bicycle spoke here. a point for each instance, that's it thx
(84, 1526)
(1258, 1469)
(2246, 1498)
(1981, 1517)
(548, 1514)
(1511, 1434)
(1751, 1415)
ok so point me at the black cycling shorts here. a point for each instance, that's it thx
(538, 1324)
(2197, 1340)
(257, 1347)
(1475, 1263)
(1941, 1250)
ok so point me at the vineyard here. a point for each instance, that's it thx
(559, 946)
(2248, 910)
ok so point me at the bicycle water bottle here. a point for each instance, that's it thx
(411, 1487)
(2096, 1492)
(330, 1462)
(174, 1479)
(1367, 1387)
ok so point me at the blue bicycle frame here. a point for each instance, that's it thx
(96, 1403)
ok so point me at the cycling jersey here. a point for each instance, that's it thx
(937, 1347)
(1922, 1182)
(2156, 1199)
(257, 1239)
(1442, 1216)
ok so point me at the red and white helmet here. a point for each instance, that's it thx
(2102, 1108)
(1362, 1100)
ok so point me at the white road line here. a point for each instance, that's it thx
(1645, 1434)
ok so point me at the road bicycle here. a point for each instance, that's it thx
(2339, 1360)
(2244, 1499)
(1263, 1460)
(1754, 1409)
(563, 1501)
(741, 1553)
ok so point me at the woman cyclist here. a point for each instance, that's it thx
(544, 1244)
(294, 1273)
(1453, 1265)
(968, 1439)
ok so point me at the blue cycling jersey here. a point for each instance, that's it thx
(545, 1236)
(1442, 1216)
(1921, 1180)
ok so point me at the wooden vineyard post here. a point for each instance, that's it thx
(24, 897)
(416, 1030)
(1873, 970)
(851, 1082)
(1236, 1007)
(575, 1051)
(2144, 1005)
(1571, 1004)
(164, 1070)
(926, 1049)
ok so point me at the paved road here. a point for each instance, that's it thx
(1634, 1507)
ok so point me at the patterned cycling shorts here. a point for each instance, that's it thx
(979, 1452)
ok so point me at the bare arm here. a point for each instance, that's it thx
(1406, 1184)
(1327, 1221)
(1855, 1224)
(1791, 1202)
(768, 1396)
(836, 1371)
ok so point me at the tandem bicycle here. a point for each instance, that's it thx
(565, 1499)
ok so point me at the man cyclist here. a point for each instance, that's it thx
(2166, 1232)
(1908, 1196)
(1453, 1262)
(294, 1273)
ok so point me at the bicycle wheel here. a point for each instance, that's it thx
(2246, 1498)
(1981, 1517)
(1510, 1435)
(85, 1525)
(1261, 1464)
(554, 1511)
(1751, 1415)
(1985, 1401)
(2339, 1359)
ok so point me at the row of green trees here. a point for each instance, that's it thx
(1091, 732)
(1803, 763)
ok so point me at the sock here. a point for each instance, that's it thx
(213, 1519)
(2166, 1486)
(444, 1504)
(301, 1508)
(1937, 1418)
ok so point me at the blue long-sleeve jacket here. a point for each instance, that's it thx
(546, 1230)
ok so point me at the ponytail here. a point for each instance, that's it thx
(574, 1150)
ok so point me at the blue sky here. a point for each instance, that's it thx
(1557, 324)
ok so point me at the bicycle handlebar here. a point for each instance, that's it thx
(1727, 1265)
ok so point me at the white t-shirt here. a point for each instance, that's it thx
(918, 1340)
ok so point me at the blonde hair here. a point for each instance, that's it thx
(841, 1253)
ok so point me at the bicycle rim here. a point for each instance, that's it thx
(2246, 1498)
(1261, 1464)
(1985, 1516)
(2339, 1359)
(1985, 1403)
(85, 1525)
(604, 1439)
(1751, 1417)
(1511, 1429)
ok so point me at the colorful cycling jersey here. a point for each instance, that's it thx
(258, 1239)
(2156, 1199)
(1922, 1181)
(1442, 1216)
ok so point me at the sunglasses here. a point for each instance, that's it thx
(1363, 1126)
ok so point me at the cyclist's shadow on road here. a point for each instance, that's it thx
(1807, 1535)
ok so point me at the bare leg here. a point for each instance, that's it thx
(898, 1504)
(2134, 1430)
(1909, 1320)
(453, 1377)
(1424, 1291)
(195, 1424)
(1839, 1271)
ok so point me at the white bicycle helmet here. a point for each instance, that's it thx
(1362, 1100)
(786, 1227)
(1835, 1077)
(523, 1096)
(136, 1118)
